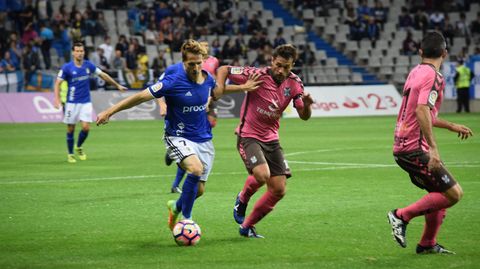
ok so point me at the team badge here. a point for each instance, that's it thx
(157, 87)
(88, 71)
(253, 159)
(286, 91)
(236, 70)
(432, 97)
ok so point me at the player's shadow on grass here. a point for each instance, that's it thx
(204, 242)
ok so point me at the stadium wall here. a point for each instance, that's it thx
(329, 101)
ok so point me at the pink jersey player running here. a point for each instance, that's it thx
(415, 149)
(258, 141)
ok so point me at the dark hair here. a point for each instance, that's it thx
(77, 44)
(287, 51)
(433, 45)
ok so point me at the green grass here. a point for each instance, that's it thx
(110, 211)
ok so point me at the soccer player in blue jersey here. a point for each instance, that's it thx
(188, 137)
(78, 106)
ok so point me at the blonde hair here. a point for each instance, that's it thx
(193, 47)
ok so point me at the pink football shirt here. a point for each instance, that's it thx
(210, 65)
(261, 109)
(424, 86)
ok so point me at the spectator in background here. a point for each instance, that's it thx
(101, 25)
(409, 47)
(373, 32)
(437, 19)
(216, 48)
(462, 83)
(420, 20)
(350, 17)
(29, 34)
(279, 40)
(131, 57)
(77, 26)
(475, 29)
(7, 64)
(62, 42)
(142, 60)
(462, 28)
(122, 45)
(99, 60)
(140, 24)
(363, 11)
(118, 62)
(254, 25)
(405, 21)
(159, 64)
(46, 35)
(151, 35)
(31, 62)
(107, 48)
(307, 56)
(448, 30)
(379, 12)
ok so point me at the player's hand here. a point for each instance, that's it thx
(103, 118)
(122, 88)
(252, 83)
(57, 104)
(463, 131)
(163, 112)
(434, 163)
(307, 99)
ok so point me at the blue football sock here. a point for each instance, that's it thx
(81, 137)
(70, 142)
(178, 177)
(189, 193)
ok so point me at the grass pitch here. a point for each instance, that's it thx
(110, 211)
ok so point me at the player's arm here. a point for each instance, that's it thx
(424, 119)
(163, 106)
(463, 131)
(110, 80)
(303, 104)
(126, 103)
(56, 90)
(251, 84)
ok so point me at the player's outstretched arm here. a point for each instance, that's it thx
(56, 90)
(110, 80)
(126, 103)
(304, 106)
(251, 84)
(463, 131)
(425, 121)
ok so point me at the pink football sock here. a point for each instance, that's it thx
(431, 202)
(250, 188)
(262, 207)
(433, 221)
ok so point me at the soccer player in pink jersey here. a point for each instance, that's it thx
(258, 141)
(415, 149)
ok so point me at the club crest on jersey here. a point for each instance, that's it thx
(286, 92)
(432, 97)
(88, 71)
(236, 70)
(157, 87)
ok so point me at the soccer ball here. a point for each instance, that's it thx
(186, 233)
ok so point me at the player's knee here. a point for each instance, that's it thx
(278, 192)
(196, 169)
(455, 194)
(262, 177)
(86, 129)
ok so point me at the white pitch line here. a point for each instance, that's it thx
(346, 164)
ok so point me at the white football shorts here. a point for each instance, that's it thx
(77, 112)
(178, 148)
